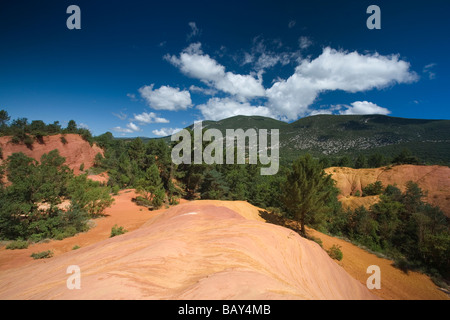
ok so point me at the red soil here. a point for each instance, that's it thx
(76, 151)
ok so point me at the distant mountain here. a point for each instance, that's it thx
(339, 135)
(335, 136)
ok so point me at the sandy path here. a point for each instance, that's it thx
(123, 212)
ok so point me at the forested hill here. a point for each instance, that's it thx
(336, 136)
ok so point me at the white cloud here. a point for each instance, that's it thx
(335, 70)
(195, 31)
(195, 64)
(291, 24)
(164, 132)
(205, 91)
(364, 107)
(428, 71)
(132, 96)
(221, 108)
(120, 115)
(122, 130)
(151, 117)
(166, 98)
(130, 128)
(133, 127)
(82, 126)
(304, 43)
(266, 54)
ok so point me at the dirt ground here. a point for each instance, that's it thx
(394, 283)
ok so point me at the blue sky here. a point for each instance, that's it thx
(145, 68)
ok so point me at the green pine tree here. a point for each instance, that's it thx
(307, 189)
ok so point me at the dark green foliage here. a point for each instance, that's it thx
(4, 118)
(345, 162)
(307, 189)
(71, 127)
(406, 157)
(150, 187)
(376, 160)
(17, 245)
(98, 160)
(46, 183)
(214, 186)
(89, 196)
(360, 162)
(42, 255)
(21, 131)
(117, 231)
(401, 225)
(373, 189)
(335, 252)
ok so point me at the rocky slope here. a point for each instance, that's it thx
(433, 179)
(76, 150)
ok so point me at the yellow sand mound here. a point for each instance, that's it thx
(191, 251)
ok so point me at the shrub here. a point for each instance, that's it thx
(357, 193)
(82, 167)
(117, 231)
(335, 252)
(18, 244)
(115, 190)
(75, 247)
(42, 255)
(28, 141)
(63, 140)
(373, 189)
(316, 240)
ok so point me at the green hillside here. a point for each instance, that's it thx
(335, 136)
(339, 135)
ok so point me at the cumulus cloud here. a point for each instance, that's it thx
(130, 128)
(221, 108)
(195, 64)
(286, 99)
(166, 98)
(150, 117)
(364, 107)
(164, 132)
(335, 70)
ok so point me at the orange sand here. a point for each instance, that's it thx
(200, 250)
(195, 250)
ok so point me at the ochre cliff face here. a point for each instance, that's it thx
(433, 179)
(76, 151)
